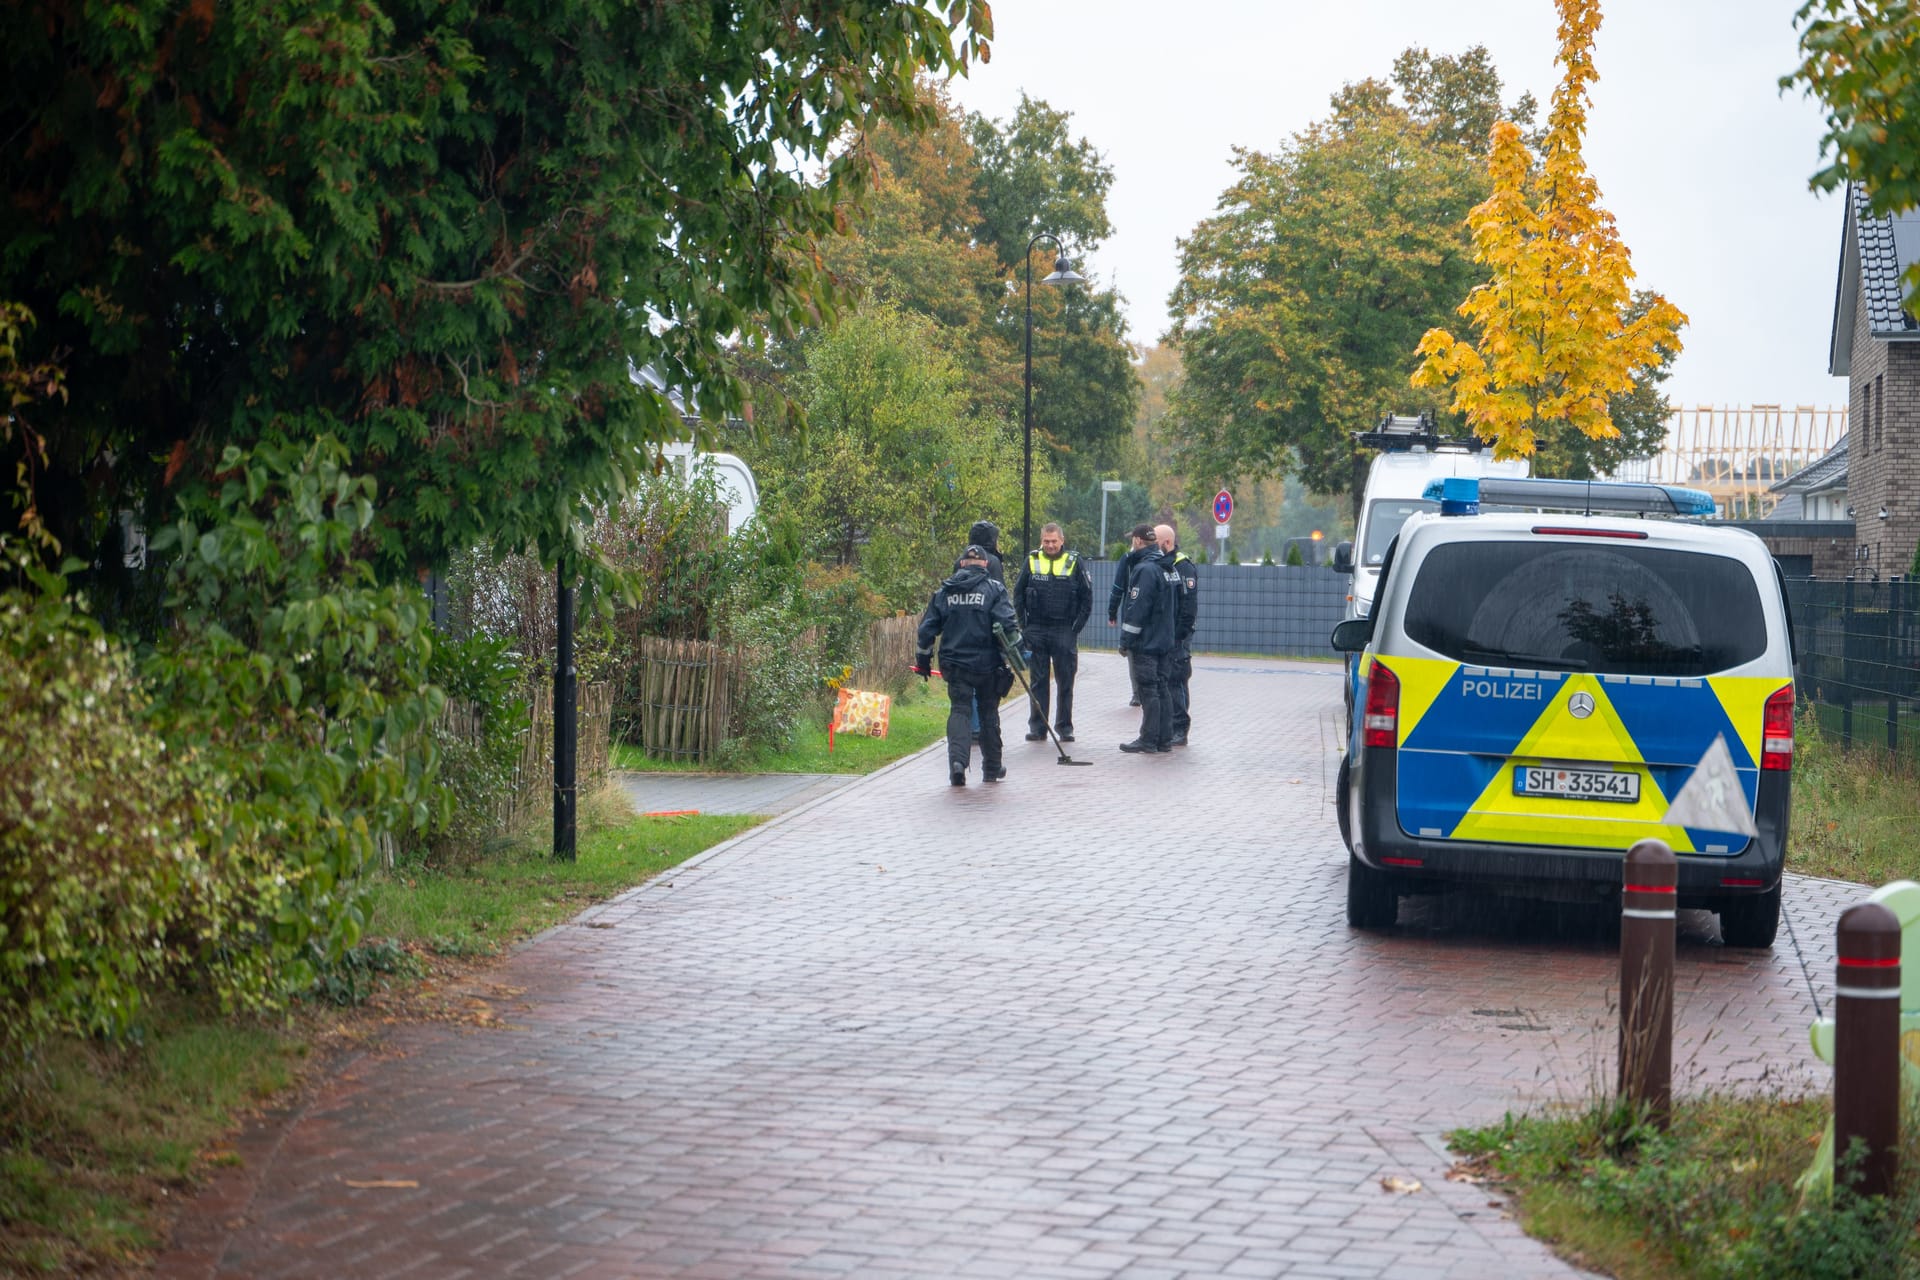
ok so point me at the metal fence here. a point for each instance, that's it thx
(1285, 610)
(1857, 643)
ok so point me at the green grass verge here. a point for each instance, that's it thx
(476, 909)
(97, 1140)
(918, 718)
(1853, 811)
(1713, 1198)
(98, 1144)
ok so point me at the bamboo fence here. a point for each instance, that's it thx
(530, 794)
(687, 691)
(890, 646)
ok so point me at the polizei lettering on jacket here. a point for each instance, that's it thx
(971, 597)
(1523, 690)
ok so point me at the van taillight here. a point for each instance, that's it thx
(1776, 731)
(1381, 726)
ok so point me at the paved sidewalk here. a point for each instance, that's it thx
(761, 793)
(1085, 1023)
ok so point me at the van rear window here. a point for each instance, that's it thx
(1623, 610)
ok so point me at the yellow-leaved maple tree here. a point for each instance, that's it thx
(1558, 337)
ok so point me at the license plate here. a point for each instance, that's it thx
(1576, 784)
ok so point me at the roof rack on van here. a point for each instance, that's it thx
(1611, 496)
(1399, 433)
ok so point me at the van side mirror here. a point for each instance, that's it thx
(1352, 635)
(1343, 558)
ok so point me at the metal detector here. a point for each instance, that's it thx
(1019, 673)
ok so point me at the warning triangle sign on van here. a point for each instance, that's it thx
(1713, 799)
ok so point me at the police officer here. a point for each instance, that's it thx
(1053, 598)
(1146, 638)
(961, 616)
(1181, 666)
(984, 536)
(1143, 542)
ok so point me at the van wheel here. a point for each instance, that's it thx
(1342, 791)
(1751, 922)
(1372, 902)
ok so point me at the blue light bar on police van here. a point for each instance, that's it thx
(1610, 496)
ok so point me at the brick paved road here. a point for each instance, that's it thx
(1090, 1022)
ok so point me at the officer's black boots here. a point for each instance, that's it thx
(1140, 746)
(993, 773)
(957, 777)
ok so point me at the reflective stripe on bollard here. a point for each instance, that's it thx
(1866, 1048)
(1647, 900)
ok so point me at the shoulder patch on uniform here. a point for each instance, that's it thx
(1133, 594)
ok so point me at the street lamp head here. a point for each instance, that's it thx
(1063, 272)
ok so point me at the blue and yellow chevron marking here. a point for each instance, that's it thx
(1463, 731)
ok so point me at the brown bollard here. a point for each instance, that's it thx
(1648, 896)
(1866, 1047)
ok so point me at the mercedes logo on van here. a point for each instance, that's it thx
(1581, 704)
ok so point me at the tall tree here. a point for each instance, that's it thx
(1034, 176)
(1862, 59)
(1559, 337)
(441, 229)
(893, 465)
(1299, 298)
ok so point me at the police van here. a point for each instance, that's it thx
(1413, 455)
(1536, 685)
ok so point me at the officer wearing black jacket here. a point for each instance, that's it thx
(1180, 670)
(961, 616)
(1147, 639)
(1143, 543)
(985, 536)
(1053, 599)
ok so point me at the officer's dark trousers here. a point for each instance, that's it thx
(1180, 671)
(962, 685)
(1055, 654)
(1149, 672)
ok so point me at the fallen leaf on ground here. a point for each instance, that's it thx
(1460, 1173)
(388, 1184)
(1399, 1186)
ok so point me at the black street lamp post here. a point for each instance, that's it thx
(566, 690)
(1063, 273)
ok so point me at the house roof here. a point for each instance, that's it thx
(1829, 471)
(1874, 253)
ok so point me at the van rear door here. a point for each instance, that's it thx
(1583, 679)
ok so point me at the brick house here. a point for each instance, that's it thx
(1876, 346)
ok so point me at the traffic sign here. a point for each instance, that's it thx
(1222, 507)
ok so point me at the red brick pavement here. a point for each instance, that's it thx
(1089, 1022)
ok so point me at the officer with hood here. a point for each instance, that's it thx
(961, 617)
(985, 536)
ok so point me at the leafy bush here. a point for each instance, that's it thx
(478, 741)
(304, 685)
(99, 825)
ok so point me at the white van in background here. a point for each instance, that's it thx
(732, 476)
(1412, 457)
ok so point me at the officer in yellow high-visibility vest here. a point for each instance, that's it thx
(1053, 598)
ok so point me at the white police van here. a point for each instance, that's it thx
(1535, 686)
(1412, 457)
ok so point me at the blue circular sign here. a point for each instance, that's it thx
(1222, 507)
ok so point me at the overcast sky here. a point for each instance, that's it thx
(1698, 155)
